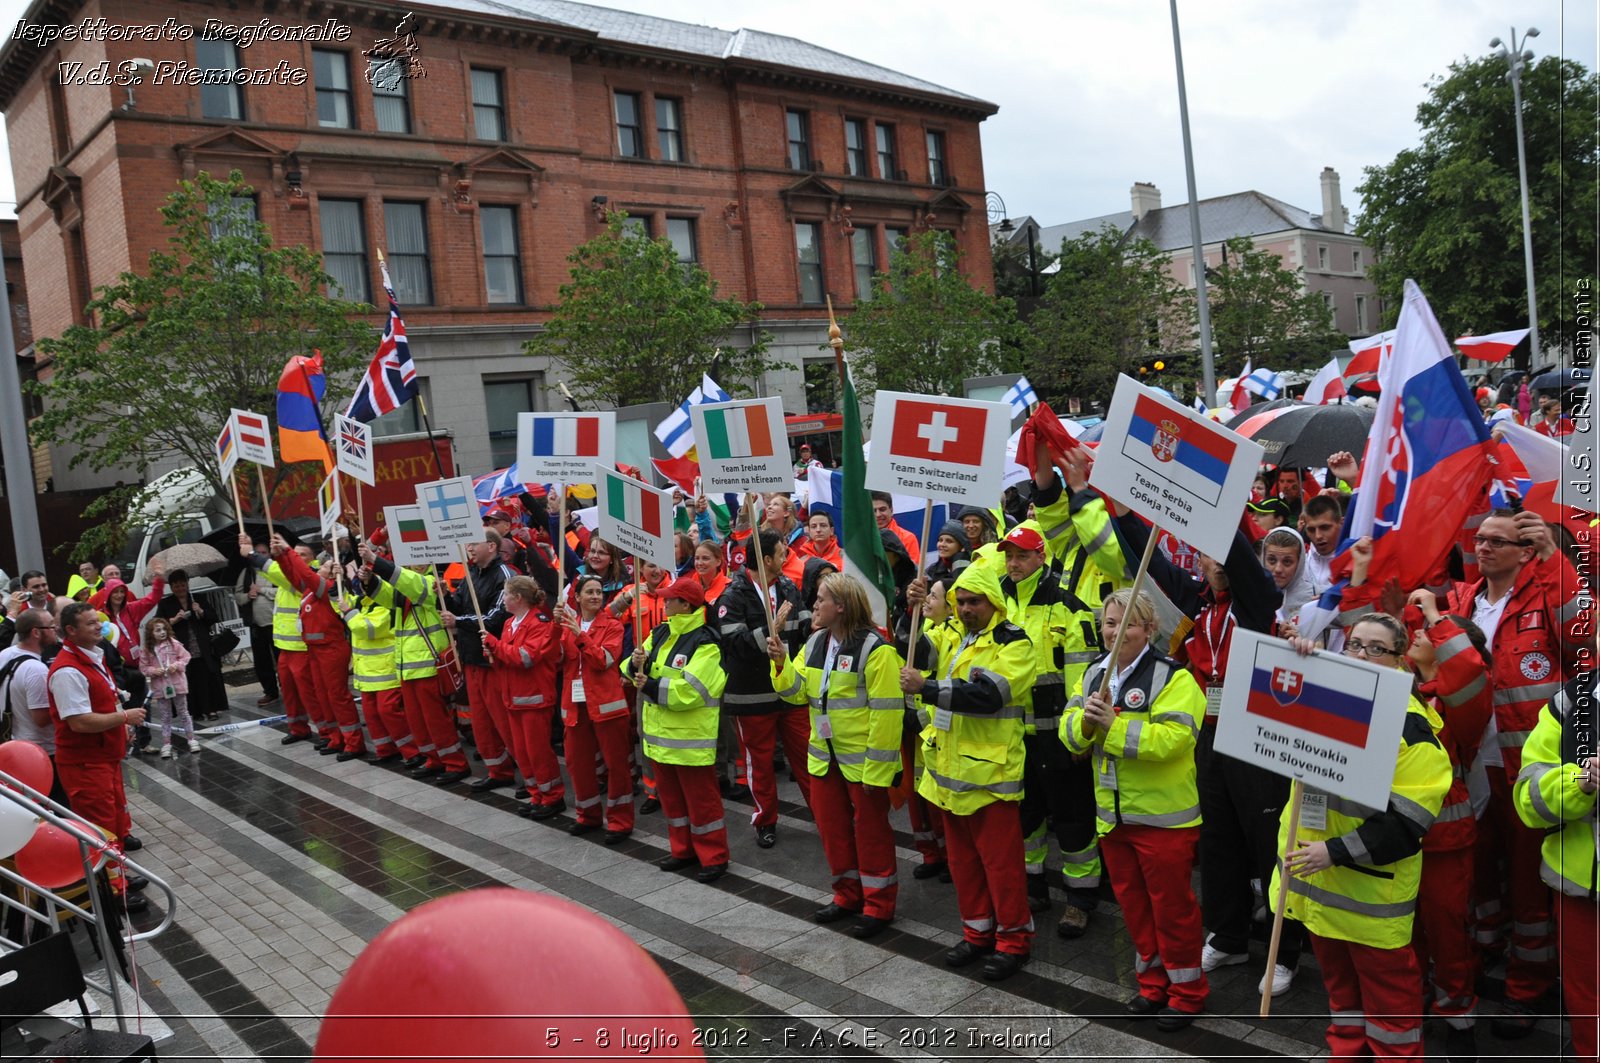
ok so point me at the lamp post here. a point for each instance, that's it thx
(1516, 56)
(1207, 361)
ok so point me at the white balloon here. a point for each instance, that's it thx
(17, 826)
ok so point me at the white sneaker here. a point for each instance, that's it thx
(1282, 979)
(151, 748)
(194, 745)
(166, 752)
(1212, 958)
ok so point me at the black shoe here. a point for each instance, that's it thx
(329, 749)
(711, 872)
(738, 792)
(385, 759)
(966, 953)
(944, 875)
(766, 837)
(1460, 1046)
(832, 913)
(675, 863)
(649, 805)
(617, 837)
(1003, 965)
(135, 903)
(131, 844)
(483, 786)
(1516, 1023)
(579, 828)
(929, 870)
(1037, 903)
(525, 810)
(291, 739)
(450, 778)
(548, 811)
(427, 771)
(137, 883)
(413, 763)
(870, 926)
(1142, 1007)
(350, 754)
(1171, 1019)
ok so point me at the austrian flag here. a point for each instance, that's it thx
(253, 437)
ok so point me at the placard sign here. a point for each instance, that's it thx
(1333, 722)
(934, 446)
(1183, 471)
(408, 538)
(352, 451)
(742, 446)
(564, 448)
(635, 516)
(253, 437)
(451, 510)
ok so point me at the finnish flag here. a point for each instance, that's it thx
(1264, 382)
(676, 433)
(1021, 397)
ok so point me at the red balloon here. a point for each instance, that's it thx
(27, 763)
(500, 973)
(52, 858)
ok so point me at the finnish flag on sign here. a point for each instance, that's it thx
(450, 510)
(1021, 397)
(938, 447)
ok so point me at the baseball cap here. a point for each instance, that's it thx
(1275, 506)
(1023, 538)
(497, 514)
(686, 589)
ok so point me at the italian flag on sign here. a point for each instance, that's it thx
(628, 503)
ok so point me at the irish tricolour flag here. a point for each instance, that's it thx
(738, 432)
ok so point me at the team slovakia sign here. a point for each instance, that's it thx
(450, 510)
(1184, 472)
(353, 449)
(635, 516)
(742, 446)
(408, 538)
(564, 448)
(1333, 722)
(937, 447)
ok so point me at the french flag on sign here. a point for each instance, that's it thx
(1185, 451)
(936, 431)
(573, 435)
(1282, 695)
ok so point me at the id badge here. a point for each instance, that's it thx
(1213, 701)
(941, 719)
(577, 690)
(824, 727)
(1314, 811)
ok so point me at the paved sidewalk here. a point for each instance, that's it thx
(287, 863)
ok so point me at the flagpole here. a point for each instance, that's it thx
(238, 510)
(761, 564)
(916, 613)
(427, 426)
(1295, 793)
(1122, 628)
(266, 500)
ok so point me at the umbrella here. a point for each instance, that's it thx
(1302, 437)
(1261, 407)
(197, 559)
(1561, 380)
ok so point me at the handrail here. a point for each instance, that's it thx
(95, 853)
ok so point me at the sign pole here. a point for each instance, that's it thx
(266, 501)
(638, 599)
(1122, 628)
(916, 613)
(361, 527)
(238, 510)
(761, 564)
(472, 588)
(1283, 896)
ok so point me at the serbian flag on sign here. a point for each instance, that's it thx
(575, 435)
(1186, 451)
(935, 431)
(1282, 695)
(1493, 347)
(300, 390)
(739, 432)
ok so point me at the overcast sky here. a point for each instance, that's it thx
(1087, 90)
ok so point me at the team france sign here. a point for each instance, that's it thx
(564, 448)
(635, 516)
(742, 446)
(932, 446)
(1333, 722)
(1187, 474)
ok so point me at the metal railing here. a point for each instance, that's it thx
(96, 855)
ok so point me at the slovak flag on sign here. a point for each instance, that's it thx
(936, 447)
(1282, 695)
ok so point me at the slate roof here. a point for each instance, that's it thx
(1248, 214)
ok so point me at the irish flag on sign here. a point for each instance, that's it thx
(628, 503)
(738, 432)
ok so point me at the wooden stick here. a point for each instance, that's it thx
(1122, 628)
(1295, 795)
(638, 599)
(266, 501)
(238, 509)
(360, 521)
(761, 564)
(916, 612)
(472, 588)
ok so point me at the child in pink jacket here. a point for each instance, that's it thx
(163, 662)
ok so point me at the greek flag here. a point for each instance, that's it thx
(1021, 397)
(676, 433)
(1264, 382)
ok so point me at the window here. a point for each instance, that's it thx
(1355, 260)
(637, 225)
(669, 129)
(1322, 256)
(1361, 314)
(389, 102)
(488, 105)
(219, 101)
(1328, 304)
(332, 73)
(855, 148)
(937, 173)
(344, 248)
(887, 168)
(799, 140)
(629, 142)
(406, 419)
(808, 243)
(78, 274)
(680, 231)
(407, 228)
(238, 214)
(864, 253)
(503, 400)
(897, 240)
(60, 127)
(502, 266)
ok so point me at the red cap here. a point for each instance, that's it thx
(1023, 539)
(497, 514)
(686, 589)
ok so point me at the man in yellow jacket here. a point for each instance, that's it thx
(972, 770)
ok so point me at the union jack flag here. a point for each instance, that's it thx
(354, 443)
(391, 380)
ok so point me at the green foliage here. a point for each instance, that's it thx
(207, 326)
(634, 325)
(926, 328)
(1447, 213)
(1109, 308)
(1013, 272)
(1260, 311)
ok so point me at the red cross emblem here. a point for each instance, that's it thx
(1285, 685)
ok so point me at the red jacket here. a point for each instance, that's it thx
(1460, 693)
(525, 658)
(74, 747)
(133, 610)
(592, 658)
(320, 622)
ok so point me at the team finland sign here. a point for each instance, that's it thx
(937, 447)
(450, 510)
(564, 448)
(742, 446)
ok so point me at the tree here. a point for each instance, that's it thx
(169, 352)
(1111, 305)
(1018, 277)
(926, 328)
(1261, 311)
(635, 325)
(1447, 213)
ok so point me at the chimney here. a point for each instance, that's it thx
(1146, 197)
(1333, 216)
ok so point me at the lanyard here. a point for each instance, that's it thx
(956, 657)
(99, 669)
(1222, 640)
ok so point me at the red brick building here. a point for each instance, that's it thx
(784, 169)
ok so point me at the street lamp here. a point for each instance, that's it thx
(1516, 56)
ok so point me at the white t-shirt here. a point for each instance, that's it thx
(1319, 569)
(1487, 615)
(70, 686)
(27, 690)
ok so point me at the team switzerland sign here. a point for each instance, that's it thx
(938, 447)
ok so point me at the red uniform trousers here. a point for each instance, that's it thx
(536, 756)
(853, 820)
(1372, 999)
(606, 741)
(1489, 915)
(1442, 931)
(1531, 957)
(490, 726)
(94, 791)
(330, 674)
(991, 882)
(386, 722)
(927, 825)
(1577, 921)
(432, 723)
(758, 739)
(298, 691)
(1151, 871)
(693, 806)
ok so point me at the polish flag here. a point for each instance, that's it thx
(1327, 386)
(1491, 348)
(1363, 368)
(1240, 399)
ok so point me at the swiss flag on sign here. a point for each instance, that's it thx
(933, 431)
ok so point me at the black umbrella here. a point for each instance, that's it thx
(1303, 437)
(1561, 379)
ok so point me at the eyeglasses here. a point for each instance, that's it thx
(1495, 543)
(1357, 648)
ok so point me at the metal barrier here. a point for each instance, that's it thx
(96, 855)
